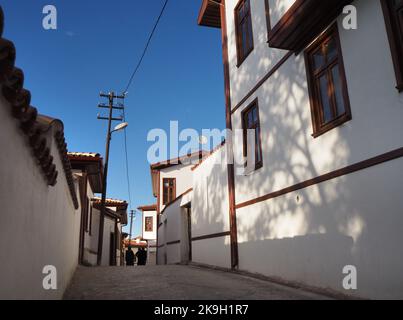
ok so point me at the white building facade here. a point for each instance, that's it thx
(88, 167)
(324, 101)
(149, 231)
(172, 183)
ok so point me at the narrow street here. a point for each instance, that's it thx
(174, 282)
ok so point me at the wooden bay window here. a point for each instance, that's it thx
(327, 84)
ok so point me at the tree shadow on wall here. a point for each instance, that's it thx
(309, 235)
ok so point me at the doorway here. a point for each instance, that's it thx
(186, 239)
(112, 250)
(189, 218)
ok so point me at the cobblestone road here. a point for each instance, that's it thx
(174, 282)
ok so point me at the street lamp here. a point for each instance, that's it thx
(119, 127)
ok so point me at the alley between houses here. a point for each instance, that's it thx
(175, 282)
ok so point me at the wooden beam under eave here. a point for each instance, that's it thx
(303, 22)
(209, 15)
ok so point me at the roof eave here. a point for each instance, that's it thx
(209, 14)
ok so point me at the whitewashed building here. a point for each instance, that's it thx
(149, 231)
(172, 186)
(325, 101)
(115, 219)
(46, 220)
(40, 211)
(88, 167)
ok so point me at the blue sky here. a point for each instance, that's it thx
(95, 48)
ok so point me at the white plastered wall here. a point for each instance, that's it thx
(351, 219)
(38, 220)
(210, 211)
(173, 232)
(183, 176)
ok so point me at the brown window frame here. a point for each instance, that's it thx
(268, 18)
(238, 34)
(245, 112)
(173, 195)
(319, 125)
(148, 218)
(395, 35)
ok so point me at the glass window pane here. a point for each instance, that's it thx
(243, 10)
(331, 49)
(244, 30)
(250, 34)
(326, 106)
(250, 119)
(254, 114)
(244, 35)
(246, 6)
(338, 91)
(318, 60)
(240, 13)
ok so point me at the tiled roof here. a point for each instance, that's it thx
(134, 243)
(34, 126)
(186, 159)
(84, 155)
(111, 202)
(92, 164)
(192, 158)
(152, 207)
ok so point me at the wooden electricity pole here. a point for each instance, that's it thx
(131, 224)
(111, 96)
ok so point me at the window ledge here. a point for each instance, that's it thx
(253, 171)
(331, 125)
(241, 60)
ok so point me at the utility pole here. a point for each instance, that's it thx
(131, 224)
(111, 96)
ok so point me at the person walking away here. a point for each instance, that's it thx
(141, 257)
(129, 257)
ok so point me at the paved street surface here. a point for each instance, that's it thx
(174, 282)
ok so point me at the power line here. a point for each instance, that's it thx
(127, 87)
(127, 163)
(147, 45)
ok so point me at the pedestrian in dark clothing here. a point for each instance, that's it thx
(141, 257)
(129, 257)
